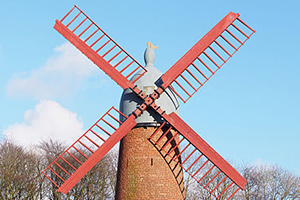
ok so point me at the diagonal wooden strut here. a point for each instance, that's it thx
(98, 154)
(93, 56)
(99, 47)
(68, 168)
(205, 148)
(194, 161)
(206, 57)
(199, 47)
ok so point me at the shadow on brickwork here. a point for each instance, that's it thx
(166, 141)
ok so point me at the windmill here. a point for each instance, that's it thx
(170, 135)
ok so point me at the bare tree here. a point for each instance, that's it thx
(97, 184)
(269, 182)
(19, 172)
(264, 182)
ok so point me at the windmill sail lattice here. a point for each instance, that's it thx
(199, 159)
(92, 41)
(67, 169)
(185, 78)
(207, 56)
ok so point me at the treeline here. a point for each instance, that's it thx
(21, 178)
(264, 182)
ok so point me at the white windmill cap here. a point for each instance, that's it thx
(130, 101)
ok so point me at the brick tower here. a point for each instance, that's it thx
(144, 171)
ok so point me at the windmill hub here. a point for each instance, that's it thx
(130, 101)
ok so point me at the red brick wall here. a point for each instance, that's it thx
(144, 172)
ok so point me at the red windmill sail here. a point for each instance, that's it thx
(213, 171)
(93, 42)
(85, 152)
(207, 56)
(185, 77)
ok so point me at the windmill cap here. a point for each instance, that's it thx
(130, 101)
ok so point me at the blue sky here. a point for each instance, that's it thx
(249, 111)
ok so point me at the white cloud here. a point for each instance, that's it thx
(62, 74)
(48, 120)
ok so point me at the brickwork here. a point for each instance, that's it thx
(145, 172)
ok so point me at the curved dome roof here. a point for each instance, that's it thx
(130, 101)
